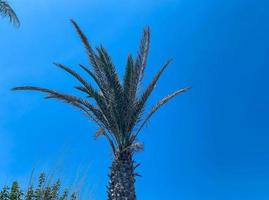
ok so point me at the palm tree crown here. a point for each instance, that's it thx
(7, 11)
(115, 106)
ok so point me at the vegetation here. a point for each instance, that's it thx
(115, 106)
(7, 11)
(41, 192)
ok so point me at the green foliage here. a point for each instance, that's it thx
(116, 106)
(7, 11)
(41, 192)
(5, 193)
(15, 192)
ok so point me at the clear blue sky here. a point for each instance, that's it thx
(208, 144)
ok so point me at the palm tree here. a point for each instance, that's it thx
(7, 11)
(115, 106)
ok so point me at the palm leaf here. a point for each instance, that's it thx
(90, 110)
(116, 91)
(91, 54)
(140, 103)
(113, 86)
(159, 105)
(128, 76)
(142, 56)
(94, 77)
(109, 70)
(7, 11)
(87, 46)
(107, 102)
(151, 86)
(88, 89)
(134, 70)
(106, 74)
(91, 91)
(82, 89)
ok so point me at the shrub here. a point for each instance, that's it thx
(43, 191)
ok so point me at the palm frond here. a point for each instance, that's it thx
(82, 89)
(102, 103)
(159, 105)
(140, 103)
(90, 51)
(106, 75)
(152, 85)
(135, 69)
(99, 74)
(129, 92)
(105, 100)
(93, 76)
(116, 90)
(128, 76)
(91, 111)
(103, 85)
(143, 52)
(109, 70)
(7, 11)
(91, 91)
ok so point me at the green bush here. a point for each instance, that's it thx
(43, 191)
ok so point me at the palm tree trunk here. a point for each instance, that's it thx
(122, 178)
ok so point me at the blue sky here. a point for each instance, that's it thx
(208, 144)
